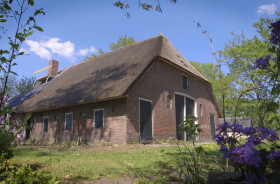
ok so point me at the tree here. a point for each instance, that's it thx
(94, 55)
(153, 4)
(122, 41)
(254, 86)
(10, 91)
(24, 84)
(11, 10)
(211, 72)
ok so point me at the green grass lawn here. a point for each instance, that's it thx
(94, 162)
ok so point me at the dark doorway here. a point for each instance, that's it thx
(179, 106)
(212, 124)
(184, 106)
(27, 129)
(146, 134)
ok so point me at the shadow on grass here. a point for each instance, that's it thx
(174, 165)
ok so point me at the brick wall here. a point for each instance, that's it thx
(156, 84)
(114, 123)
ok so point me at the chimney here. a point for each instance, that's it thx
(53, 68)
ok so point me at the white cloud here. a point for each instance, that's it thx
(64, 49)
(38, 49)
(46, 49)
(84, 52)
(267, 9)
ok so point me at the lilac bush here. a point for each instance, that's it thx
(9, 133)
(251, 158)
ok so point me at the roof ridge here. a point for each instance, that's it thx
(125, 47)
(117, 50)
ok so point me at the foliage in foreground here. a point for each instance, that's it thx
(24, 174)
(94, 162)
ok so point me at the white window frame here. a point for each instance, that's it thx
(94, 116)
(169, 97)
(195, 110)
(152, 115)
(65, 120)
(44, 123)
(200, 109)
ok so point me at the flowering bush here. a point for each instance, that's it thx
(9, 132)
(258, 157)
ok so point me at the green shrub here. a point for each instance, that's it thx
(6, 140)
(24, 174)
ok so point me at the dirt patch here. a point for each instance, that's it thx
(123, 180)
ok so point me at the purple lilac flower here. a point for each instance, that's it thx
(273, 136)
(8, 116)
(275, 32)
(274, 155)
(225, 151)
(19, 136)
(262, 63)
(246, 154)
(237, 127)
(219, 139)
(14, 108)
(249, 130)
(268, 134)
(223, 127)
(254, 139)
(264, 132)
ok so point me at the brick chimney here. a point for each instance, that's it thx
(53, 68)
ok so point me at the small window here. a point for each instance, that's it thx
(185, 82)
(34, 122)
(68, 121)
(45, 124)
(200, 109)
(99, 118)
(169, 100)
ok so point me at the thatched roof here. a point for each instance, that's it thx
(107, 76)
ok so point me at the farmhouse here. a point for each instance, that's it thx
(138, 93)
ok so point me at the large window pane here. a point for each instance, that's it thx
(45, 124)
(68, 121)
(98, 118)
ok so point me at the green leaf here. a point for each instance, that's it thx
(3, 20)
(6, 6)
(27, 117)
(39, 11)
(31, 2)
(20, 54)
(28, 34)
(13, 73)
(38, 28)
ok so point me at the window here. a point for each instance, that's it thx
(169, 101)
(45, 124)
(34, 122)
(98, 118)
(68, 121)
(185, 82)
(200, 109)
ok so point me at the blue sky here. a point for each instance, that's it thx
(73, 29)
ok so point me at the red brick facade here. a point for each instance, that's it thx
(121, 116)
(156, 84)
